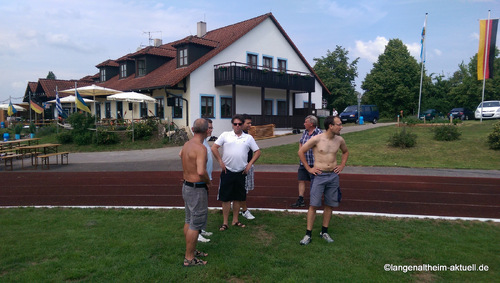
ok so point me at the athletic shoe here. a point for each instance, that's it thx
(247, 215)
(326, 237)
(299, 203)
(205, 233)
(306, 240)
(202, 239)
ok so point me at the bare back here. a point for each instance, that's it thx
(194, 162)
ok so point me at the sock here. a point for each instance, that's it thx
(301, 198)
(309, 233)
(324, 229)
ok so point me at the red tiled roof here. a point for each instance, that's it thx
(195, 40)
(108, 62)
(48, 86)
(163, 50)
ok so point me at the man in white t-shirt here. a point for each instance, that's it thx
(234, 167)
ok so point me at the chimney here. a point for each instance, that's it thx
(202, 29)
(157, 42)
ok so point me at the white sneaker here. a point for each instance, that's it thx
(248, 215)
(306, 240)
(202, 239)
(205, 233)
(326, 237)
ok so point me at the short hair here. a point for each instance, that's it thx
(246, 117)
(209, 120)
(313, 120)
(330, 120)
(239, 117)
(200, 126)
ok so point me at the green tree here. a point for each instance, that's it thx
(394, 81)
(51, 76)
(338, 75)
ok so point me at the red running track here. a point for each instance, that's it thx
(394, 194)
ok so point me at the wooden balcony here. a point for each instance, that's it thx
(258, 76)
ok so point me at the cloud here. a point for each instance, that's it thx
(370, 50)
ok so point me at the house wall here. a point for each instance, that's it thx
(263, 40)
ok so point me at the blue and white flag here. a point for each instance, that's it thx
(59, 108)
(422, 41)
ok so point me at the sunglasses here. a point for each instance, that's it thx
(210, 128)
(237, 124)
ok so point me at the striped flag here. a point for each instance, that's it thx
(80, 104)
(37, 108)
(486, 52)
(11, 110)
(59, 108)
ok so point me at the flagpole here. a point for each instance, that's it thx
(422, 62)
(484, 62)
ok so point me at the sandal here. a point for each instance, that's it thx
(197, 253)
(239, 224)
(194, 262)
(224, 227)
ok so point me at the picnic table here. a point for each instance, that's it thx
(17, 143)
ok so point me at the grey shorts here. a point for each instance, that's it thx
(196, 206)
(303, 174)
(327, 184)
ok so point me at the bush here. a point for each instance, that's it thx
(84, 138)
(494, 137)
(403, 139)
(46, 130)
(107, 137)
(64, 137)
(411, 121)
(144, 130)
(179, 137)
(81, 123)
(446, 133)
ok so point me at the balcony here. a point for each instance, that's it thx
(258, 76)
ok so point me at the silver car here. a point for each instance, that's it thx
(489, 109)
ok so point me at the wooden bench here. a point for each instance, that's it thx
(45, 159)
(9, 158)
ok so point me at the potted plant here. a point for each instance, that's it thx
(32, 129)
(17, 130)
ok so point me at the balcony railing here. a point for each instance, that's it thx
(260, 76)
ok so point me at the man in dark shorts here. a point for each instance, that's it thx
(325, 174)
(195, 191)
(234, 167)
(311, 130)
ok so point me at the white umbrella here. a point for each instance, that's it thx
(17, 107)
(92, 90)
(71, 99)
(133, 97)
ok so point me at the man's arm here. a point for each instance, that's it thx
(201, 165)
(216, 153)
(302, 155)
(345, 156)
(256, 155)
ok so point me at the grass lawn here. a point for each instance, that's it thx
(117, 245)
(370, 148)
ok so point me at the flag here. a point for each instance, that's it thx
(37, 108)
(11, 110)
(59, 108)
(422, 41)
(80, 104)
(486, 52)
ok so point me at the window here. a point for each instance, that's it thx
(103, 75)
(123, 70)
(141, 68)
(281, 107)
(268, 62)
(252, 60)
(226, 107)
(268, 107)
(177, 108)
(281, 65)
(183, 57)
(107, 107)
(144, 110)
(119, 110)
(160, 108)
(207, 107)
(98, 110)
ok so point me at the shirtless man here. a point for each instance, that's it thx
(325, 179)
(195, 190)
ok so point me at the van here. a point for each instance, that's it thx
(369, 112)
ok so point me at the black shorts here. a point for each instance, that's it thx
(232, 186)
(303, 174)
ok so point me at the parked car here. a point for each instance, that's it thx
(429, 114)
(370, 113)
(491, 110)
(461, 113)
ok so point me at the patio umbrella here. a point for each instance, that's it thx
(132, 97)
(71, 99)
(6, 106)
(91, 90)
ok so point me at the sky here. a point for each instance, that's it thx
(71, 37)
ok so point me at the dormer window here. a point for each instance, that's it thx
(123, 70)
(103, 75)
(141, 68)
(183, 57)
